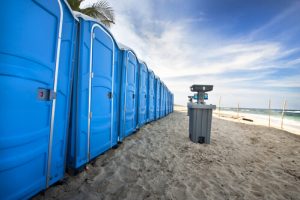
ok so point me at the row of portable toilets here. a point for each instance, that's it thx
(68, 93)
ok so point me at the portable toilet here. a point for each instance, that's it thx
(172, 102)
(143, 93)
(155, 94)
(36, 53)
(167, 102)
(93, 110)
(158, 99)
(151, 95)
(128, 94)
(162, 101)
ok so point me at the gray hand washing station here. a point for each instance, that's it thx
(200, 115)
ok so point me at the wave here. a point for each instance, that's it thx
(293, 111)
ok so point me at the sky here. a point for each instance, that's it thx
(249, 50)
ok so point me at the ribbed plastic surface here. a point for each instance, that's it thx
(200, 117)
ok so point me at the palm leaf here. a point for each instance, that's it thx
(75, 4)
(100, 10)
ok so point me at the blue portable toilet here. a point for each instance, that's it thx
(143, 93)
(155, 94)
(93, 111)
(129, 92)
(166, 94)
(167, 101)
(172, 102)
(162, 101)
(151, 96)
(36, 52)
(158, 99)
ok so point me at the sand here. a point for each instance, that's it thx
(159, 162)
(275, 121)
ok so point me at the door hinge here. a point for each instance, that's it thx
(94, 35)
(91, 114)
(92, 75)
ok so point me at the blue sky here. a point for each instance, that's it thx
(249, 50)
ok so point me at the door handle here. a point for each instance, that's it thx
(109, 95)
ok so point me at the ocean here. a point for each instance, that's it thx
(291, 118)
(288, 114)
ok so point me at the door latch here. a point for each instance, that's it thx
(109, 95)
(45, 94)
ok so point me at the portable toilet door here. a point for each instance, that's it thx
(166, 112)
(36, 53)
(167, 101)
(155, 95)
(170, 102)
(151, 96)
(142, 98)
(92, 130)
(168, 95)
(128, 111)
(158, 99)
(162, 100)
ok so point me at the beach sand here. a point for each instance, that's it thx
(275, 121)
(159, 162)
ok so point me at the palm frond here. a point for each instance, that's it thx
(75, 4)
(100, 10)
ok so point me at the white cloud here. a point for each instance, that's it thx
(173, 49)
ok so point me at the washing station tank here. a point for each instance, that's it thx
(200, 115)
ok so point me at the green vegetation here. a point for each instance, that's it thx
(100, 10)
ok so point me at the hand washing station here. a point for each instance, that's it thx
(200, 115)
